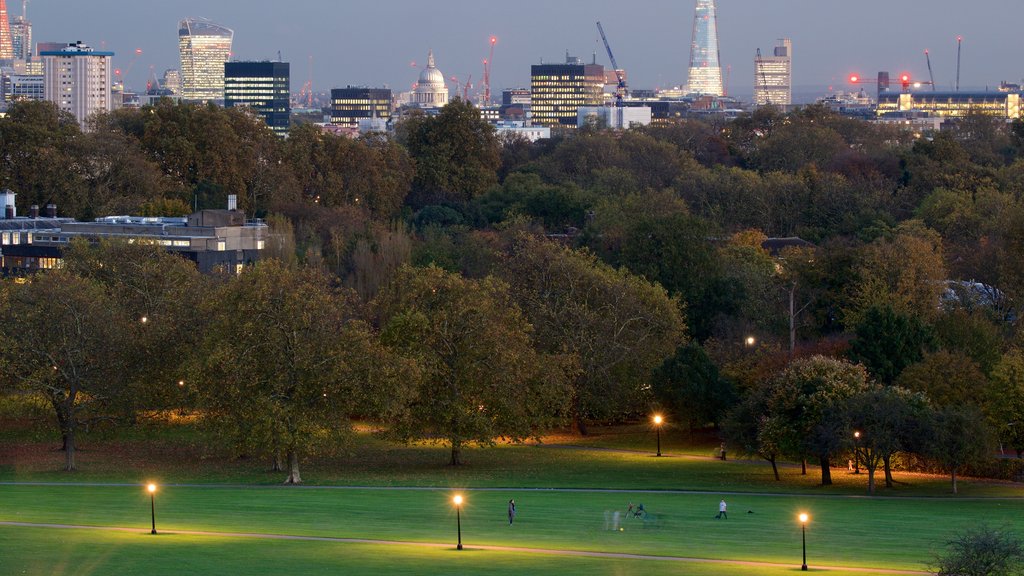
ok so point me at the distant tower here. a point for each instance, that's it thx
(773, 76)
(77, 79)
(204, 48)
(705, 68)
(21, 36)
(6, 45)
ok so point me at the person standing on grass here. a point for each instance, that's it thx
(511, 511)
(721, 510)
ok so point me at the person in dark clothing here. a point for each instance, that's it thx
(511, 511)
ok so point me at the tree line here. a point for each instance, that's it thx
(909, 266)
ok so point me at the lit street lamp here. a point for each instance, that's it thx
(152, 505)
(750, 341)
(856, 452)
(458, 518)
(803, 533)
(657, 427)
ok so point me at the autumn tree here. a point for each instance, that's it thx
(479, 376)
(886, 420)
(286, 363)
(618, 326)
(958, 438)
(947, 378)
(1005, 400)
(64, 339)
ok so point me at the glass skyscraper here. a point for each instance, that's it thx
(6, 44)
(705, 69)
(773, 76)
(265, 87)
(204, 48)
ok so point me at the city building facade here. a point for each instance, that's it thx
(351, 105)
(263, 87)
(705, 65)
(77, 79)
(557, 91)
(6, 42)
(21, 38)
(773, 76)
(204, 48)
(1004, 105)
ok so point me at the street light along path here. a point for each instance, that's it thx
(549, 551)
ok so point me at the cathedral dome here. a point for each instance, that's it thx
(431, 90)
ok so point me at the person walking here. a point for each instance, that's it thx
(721, 510)
(511, 511)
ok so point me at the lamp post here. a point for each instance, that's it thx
(657, 428)
(458, 518)
(856, 452)
(803, 534)
(750, 341)
(152, 506)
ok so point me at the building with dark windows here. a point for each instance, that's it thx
(351, 106)
(262, 86)
(558, 90)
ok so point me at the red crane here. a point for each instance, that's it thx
(486, 99)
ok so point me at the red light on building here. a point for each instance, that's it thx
(854, 79)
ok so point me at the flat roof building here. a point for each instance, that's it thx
(263, 87)
(773, 76)
(204, 47)
(77, 79)
(1006, 105)
(557, 91)
(351, 105)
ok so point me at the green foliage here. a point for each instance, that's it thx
(689, 385)
(1004, 404)
(886, 342)
(479, 376)
(982, 551)
(957, 437)
(948, 378)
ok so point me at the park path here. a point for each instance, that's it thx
(548, 551)
(715, 493)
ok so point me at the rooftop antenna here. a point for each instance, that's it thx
(24, 9)
(279, 56)
(959, 41)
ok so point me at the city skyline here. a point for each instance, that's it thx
(375, 44)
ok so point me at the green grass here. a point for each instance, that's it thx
(901, 533)
(38, 552)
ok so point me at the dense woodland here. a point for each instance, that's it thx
(462, 287)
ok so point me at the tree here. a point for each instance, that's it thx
(887, 341)
(809, 398)
(456, 153)
(751, 428)
(1005, 401)
(689, 385)
(64, 339)
(959, 437)
(948, 379)
(982, 551)
(885, 420)
(285, 362)
(617, 326)
(479, 376)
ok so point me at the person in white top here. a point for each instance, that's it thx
(721, 510)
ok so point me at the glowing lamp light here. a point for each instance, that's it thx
(854, 79)
(803, 518)
(457, 500)
(151, 488)
(658, 420)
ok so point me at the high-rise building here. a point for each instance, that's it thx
(773, 76)
(21, 38)
(264, 87)
(558, 90)
(204, 48)
(351, 105)
(77, 79)
(172, 80)
(6, 45)
(705, 67)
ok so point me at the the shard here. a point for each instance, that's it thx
(705, 69)
(6, 45)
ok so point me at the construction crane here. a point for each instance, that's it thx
(621, 91)
(931, 76)
(764, 79)
(959, 42)
(486, 98)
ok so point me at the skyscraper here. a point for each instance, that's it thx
(204, 48)
(705, 69)
(351, 105)
(21, 37)
(773, 76)
(77, 79)
(262, 86)
(557, 91)
(6, 46)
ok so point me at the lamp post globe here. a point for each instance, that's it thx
(151, 488)
(458, 518)
(803, 533)
(657, 428)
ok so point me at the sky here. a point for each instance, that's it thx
(375, 43)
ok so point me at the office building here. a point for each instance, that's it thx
(705, 69)
(23, 87)
(77, 79)
(262, 86)
(171, 81)
(204, 48)
(515, 97)
(557, 91)
(773, 76)
(614, 117)
(431, 91)
(350, 105)
(21, 38)
(928, 104)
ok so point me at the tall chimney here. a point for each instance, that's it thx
(51, 210)
(33, 211)
(9, 212)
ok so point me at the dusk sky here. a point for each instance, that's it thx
(373, 43)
